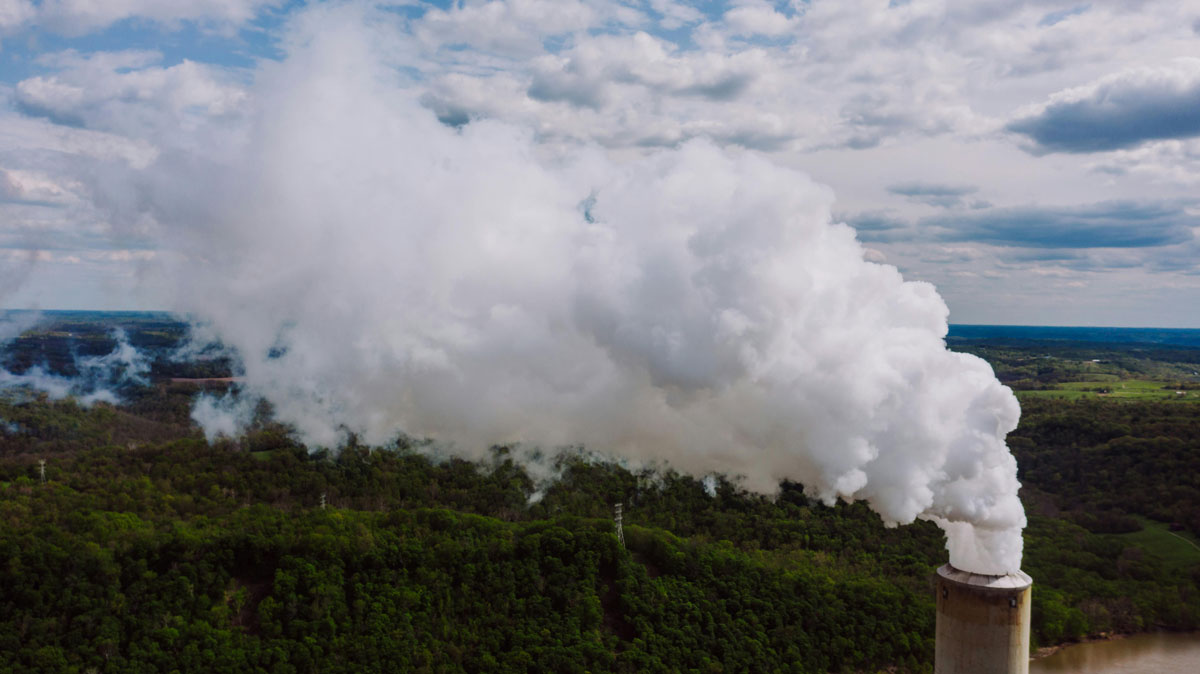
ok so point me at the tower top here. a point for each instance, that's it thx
(1018, 580)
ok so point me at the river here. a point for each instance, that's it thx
(1158, 653)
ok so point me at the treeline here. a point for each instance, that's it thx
(183, 556)
(1104, 461)
(1087, 584)
(151, 560)
(1039, 364)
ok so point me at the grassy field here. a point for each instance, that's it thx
(1115, 389)
(1055, 393)
(1176, 548)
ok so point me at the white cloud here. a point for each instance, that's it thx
(20, 134)
(122, 255)
(35, 187)
(952, 254)
(1122, 110)
(757, 17)
(861, 94)
(583, 75)
(1167, 162)
(76, 17)
(510, 27)
(15, 13)
(675, 14)
(127, 92)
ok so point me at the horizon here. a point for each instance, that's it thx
(183, 317)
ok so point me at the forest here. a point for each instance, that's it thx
(144, 548)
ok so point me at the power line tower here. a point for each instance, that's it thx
(42, 469)
(322, 500)
(618, 519)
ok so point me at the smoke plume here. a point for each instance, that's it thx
(379, 272)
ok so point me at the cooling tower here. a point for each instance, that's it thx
(982, 623)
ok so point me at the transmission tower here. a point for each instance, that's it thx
(618, 520)
(42, 469)
(322, 500)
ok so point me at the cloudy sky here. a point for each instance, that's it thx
(1037, 161)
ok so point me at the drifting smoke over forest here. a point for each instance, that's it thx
(93, 378)
(379, 272)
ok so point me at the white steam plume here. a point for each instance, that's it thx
(14, 323)
(227, 416)
(380, 273)
(98, 378)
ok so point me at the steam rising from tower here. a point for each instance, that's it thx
(380, 272)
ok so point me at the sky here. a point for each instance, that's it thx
(1038, 162)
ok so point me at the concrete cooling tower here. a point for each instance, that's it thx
(982, 623)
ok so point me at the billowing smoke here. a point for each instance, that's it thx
(379, 272)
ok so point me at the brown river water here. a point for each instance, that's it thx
(1161, 653)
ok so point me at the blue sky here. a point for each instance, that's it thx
(1037, 161)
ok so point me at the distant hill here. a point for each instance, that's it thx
(1041, 333)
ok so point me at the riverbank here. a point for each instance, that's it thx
(1144, 653)
(1047, 651)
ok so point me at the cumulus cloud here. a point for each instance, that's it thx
(757, 17)
(900, 84)
(1172, 162)
(40, 140)
(1119, 111)
(79, 129)
(34, 188)
(952, 254)
(659, 89)
(126, 92)
(15, 13)
(584, 74)
(624, 91)
(511, 27)
(76, 17)
(872, 117)
(1114, 224)
(1057, 17)
(933, 194)
(877, 225)
(675, 14)
(52, 197)
(1089, 260)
